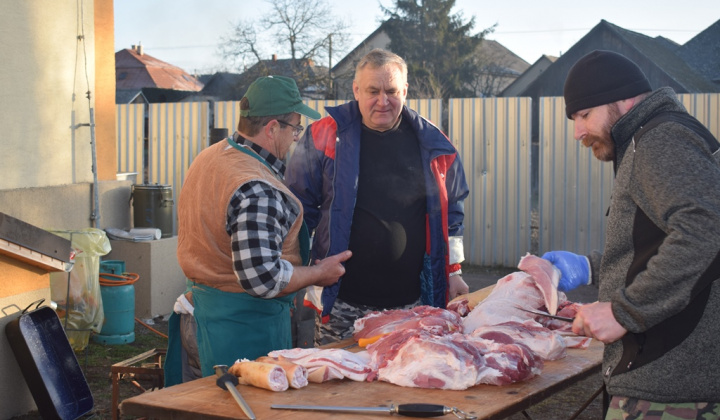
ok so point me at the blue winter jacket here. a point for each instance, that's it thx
(323, 174)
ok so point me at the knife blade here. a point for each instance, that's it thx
(228, 381)
(536, 312)
(410, 410)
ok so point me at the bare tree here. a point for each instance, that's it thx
(303, 29)
(241, 45)
(307, 26)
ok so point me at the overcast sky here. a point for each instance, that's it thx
(186, 33)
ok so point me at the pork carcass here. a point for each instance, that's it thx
(567, 309)
(511, 293)
(434, 320)
(327, 364)
(546, 277)
(416, 358)
(506, 363)
(535, 288)
(547, 344)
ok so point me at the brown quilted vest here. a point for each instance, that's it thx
(204, 246)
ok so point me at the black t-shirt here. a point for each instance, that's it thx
(387, 236)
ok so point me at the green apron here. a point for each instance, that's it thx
(232, 326)
(172, 368)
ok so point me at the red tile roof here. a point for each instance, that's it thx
(135, 70)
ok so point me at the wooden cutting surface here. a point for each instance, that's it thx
(202, 398)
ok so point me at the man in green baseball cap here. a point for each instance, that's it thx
(275, 95)
(242, 242)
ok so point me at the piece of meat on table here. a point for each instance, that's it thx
(434, 320)
(545, 343)
(326, 364)
(454, 361)
(463, 304)
(261, 375)
(418, 359)
(567, 309)
(534, 288)
(297, 375)
(512, 292)
(546, 277)
(507, 363)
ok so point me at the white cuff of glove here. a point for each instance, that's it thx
(589, 280)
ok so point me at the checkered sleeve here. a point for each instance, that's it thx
(259, 218)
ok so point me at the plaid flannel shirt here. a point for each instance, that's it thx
(259, 218)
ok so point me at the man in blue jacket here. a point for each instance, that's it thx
(378, 179)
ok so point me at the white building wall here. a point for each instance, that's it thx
(43, 91)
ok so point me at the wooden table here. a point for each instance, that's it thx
(203, 399)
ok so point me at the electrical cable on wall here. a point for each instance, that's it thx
(95, 210)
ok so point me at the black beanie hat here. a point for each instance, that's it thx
(600, 78)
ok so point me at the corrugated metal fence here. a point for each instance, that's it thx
(493, 138)
(227, 112)
(505, 217)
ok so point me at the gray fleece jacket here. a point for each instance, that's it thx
(661, 260)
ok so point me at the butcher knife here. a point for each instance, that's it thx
(536, 312)
(410, 410)
(229, 381)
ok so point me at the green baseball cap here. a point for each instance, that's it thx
(275, 95)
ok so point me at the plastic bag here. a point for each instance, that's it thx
(77, 293)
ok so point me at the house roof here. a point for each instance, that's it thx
(658, 58)
(161, 95)
(662, 52)
(287, 67)
(232, 86)
(500, 59)
(530, 74)
(360, 48)
(127, 96)
(703, 52)
(136, 70)
(224, 86)
(499, 63)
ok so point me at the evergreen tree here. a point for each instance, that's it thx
(437, 46)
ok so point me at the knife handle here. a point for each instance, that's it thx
(421, 410)
(226, 378)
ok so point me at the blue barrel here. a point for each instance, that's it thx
(118, 306)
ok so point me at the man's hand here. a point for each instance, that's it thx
(457, 287)
(329, 270)
(575, 269)
(596, 320)
(323, 273)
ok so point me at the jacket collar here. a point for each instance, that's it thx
(347, 116)
(659, 101)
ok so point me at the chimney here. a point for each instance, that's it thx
(139, 49)
(274, 58)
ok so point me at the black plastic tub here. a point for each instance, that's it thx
(49, 365)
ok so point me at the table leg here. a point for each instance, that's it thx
(115, 395)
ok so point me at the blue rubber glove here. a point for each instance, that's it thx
(575, 269)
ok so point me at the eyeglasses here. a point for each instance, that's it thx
(297, 129)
